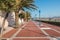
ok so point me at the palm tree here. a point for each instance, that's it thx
(27, 16)
(16, 6)
(3, 7)
(27, 4)
(21, 17)
(6, 7)
(21, 5)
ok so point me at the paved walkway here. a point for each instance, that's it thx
(32, 31)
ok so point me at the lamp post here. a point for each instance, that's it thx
(35, 16)
(39, 17)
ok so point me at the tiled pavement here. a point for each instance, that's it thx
(31, 31)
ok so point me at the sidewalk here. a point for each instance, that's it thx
(6, 30)
(10, 31)
(31, 31)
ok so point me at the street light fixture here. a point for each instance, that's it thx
(35, 16)
(39, 17)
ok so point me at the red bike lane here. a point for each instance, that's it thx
(30, 32)
(52, 30)
(33, 32)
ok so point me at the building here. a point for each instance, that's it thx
(10, 21)
(1, 20)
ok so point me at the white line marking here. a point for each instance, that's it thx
(45, 28)
(51, 38)
(5, 39)
(57, 37)
(7, 30)
(41, 29)
(56, 30)
(27, 37)
(18, 31)
(44, 32)
(32, 37)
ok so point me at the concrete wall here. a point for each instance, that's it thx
(10, 21)
(2, 15)
(1, 21)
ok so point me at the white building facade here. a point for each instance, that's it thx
(10, 21)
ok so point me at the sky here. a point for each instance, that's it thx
(48, 8)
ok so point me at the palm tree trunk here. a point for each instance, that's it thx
(16, 20)
(2, 29)
(3, 24)
(25, 17)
